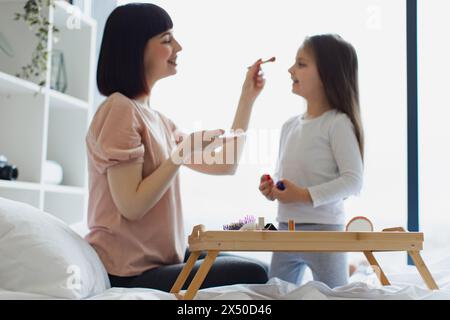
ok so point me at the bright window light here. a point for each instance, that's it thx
(221, 38)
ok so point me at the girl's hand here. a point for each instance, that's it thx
(266, 186)
(291, 193)
(254, 82)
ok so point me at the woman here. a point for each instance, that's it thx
(135, 152)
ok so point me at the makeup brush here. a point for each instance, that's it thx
(273, 59)
(270, 60)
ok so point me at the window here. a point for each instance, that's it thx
(434, 115)
(221, 38)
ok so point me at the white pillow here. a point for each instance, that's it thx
(41, 254)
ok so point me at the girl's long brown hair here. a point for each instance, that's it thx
(337, 64)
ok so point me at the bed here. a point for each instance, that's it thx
(403, 289)
(43, 258)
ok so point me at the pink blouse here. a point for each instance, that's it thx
(124, 132)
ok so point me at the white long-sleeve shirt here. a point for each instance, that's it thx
(322, 155)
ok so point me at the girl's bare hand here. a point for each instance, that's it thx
(266, 187)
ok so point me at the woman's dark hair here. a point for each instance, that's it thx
(337, 64)
(121, 61)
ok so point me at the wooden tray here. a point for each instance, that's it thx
(213, 242)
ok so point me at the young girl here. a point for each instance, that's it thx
(135, 212)
(321, 156)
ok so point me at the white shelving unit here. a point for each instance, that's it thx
(39, 124)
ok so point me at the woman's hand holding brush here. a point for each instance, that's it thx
(254, 81)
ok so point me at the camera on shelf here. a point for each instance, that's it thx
(7, 171)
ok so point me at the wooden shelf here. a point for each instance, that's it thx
(10, 85)
(39, 123)
(19, 185)
(66, 10)
(64, 189)
(62, 100)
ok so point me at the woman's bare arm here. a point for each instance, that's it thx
(132, 194)
(252, 87)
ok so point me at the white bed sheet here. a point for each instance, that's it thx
(406, 285)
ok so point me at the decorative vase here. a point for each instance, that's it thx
(5, 46)
(58, 73)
